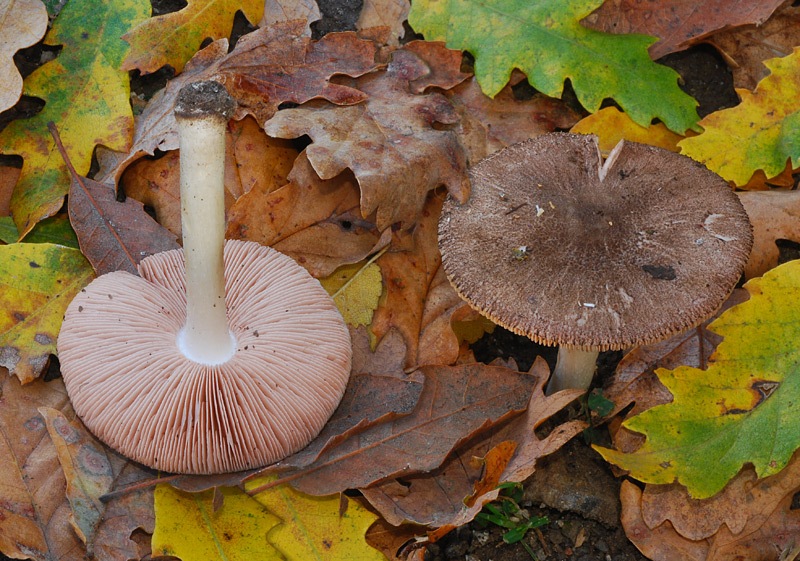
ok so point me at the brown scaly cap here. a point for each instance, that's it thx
(555, 245)
(137, 392)
(204, 99)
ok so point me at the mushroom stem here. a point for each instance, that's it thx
(574, 369)
(202, 112)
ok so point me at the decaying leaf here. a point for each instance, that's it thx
(611, 125)
(393, 142)
(742, 409)
(316, 222)
(677, 24)
(38, 282)
(24, 22)
(547, 42)
(766, 125)
(452, 494)
(278, 11)
(113, 235)
(86, 94)
(746, 48)
(456, 402)
(189, 526)
(174, 37)
(317, 528)
(385, 13)
(775, 215)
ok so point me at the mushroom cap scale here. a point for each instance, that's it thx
(556, 245)
(138, 393)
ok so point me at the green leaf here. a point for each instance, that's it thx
(56, 230)
(86, 95)
(745, 408)
(546, 41)
(37, 283)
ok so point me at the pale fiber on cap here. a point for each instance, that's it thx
(557, 247)
(136, 391)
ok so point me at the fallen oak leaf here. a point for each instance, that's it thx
(676, 23)
(114, 236)
(385, 13)
(456, 402)
(172, 39)
(279, 11)
(774, 215)
(392, 142)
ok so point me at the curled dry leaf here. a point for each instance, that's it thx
(746, 48)
(452, 494)
(775, 216)
(396, 143)
(24, 23)
(316, 222)
(456, 404)
(677, 24)
(252, 160)
(269, 66)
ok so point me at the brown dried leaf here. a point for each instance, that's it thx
(252, 160)
(456, 403)
(438, 342)
(409, 268)
(8, 179)
(278, 11)
(437, 499)
(489, 124)
(396, 542)
(385, 13)
(35, 515)
(775, 215)
(393, 142)
(114, 236)
(316, 222)
(746, 48)
(268, 67)
(678, 24)
(750, 519)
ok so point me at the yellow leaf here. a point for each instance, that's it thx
(611, 125)
(761, 133)
(173, 38)
(743, 409)
(86, 95)
(24, 22)
(188, 526)
(317, 528)
(356, 290)
(37, 283)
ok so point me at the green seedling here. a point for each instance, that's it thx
(506, 513)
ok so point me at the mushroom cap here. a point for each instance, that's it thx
(137, 392)
(558, 246)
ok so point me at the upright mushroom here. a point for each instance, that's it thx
(556, 245)
(233, 361)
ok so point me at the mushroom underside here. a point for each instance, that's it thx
(137, 392)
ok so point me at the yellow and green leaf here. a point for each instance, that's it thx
(547, 42)
(175, 37)
(745, 408)
(189, 526)
(86, 95)
(37, 283)
(765, 126)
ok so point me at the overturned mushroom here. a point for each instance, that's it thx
(233, 365)
(556, 245)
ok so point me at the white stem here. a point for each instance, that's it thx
(205, 338)
(574, 369)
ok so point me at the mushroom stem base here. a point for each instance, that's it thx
(574, 369)
(207, 353)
